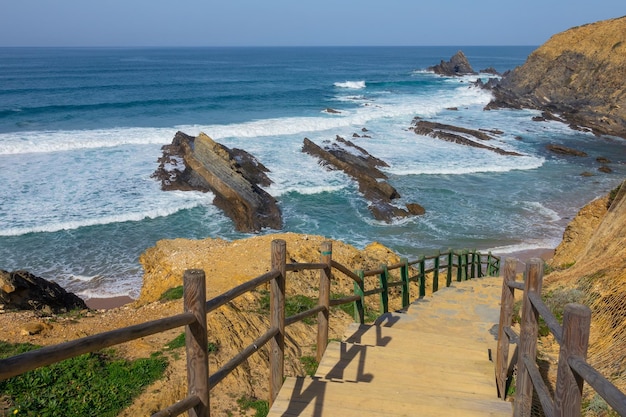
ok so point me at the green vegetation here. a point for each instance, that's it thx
(175, 293)
(179, 341)
(94, 384)
(262, 408)
(370, 314)
(293, 305)
(310, 364)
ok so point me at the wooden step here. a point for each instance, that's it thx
(430, 370)
(306, 396)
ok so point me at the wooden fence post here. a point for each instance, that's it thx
(479, 266)
(359, 305)
(196, 341)
(422, 276)
(449, 275)
(506, 319)
(489, 270)
(528, 338)
(459, 266)
(404, 275)
(436, 272)
(384, 295)
(569, 385)
(324, 299)
(277, 318)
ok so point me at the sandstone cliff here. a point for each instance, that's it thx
(579, 74)
(590, 268)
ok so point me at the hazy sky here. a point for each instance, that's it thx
(293, 22)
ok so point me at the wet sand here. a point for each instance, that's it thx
(108, 303)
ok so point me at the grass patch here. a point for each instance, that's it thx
(310, 364)
(261, 408)
(94, 384)
(293, 305)
(175, 293)
(179, 342)
(370, 314)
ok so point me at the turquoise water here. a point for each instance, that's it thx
(81, 130)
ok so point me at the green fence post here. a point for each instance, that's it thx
(422, 276)
(436, 272)
(480, 266)
(465, 264)
(384, 296)
(359, 289)
(473, 265)
(404, 275)
(449, 276)
(459, 266)
(489, 267)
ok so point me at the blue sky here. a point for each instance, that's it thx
(294, 22)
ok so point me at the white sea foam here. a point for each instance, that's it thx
(353, 85)
(57, 224)
(71, 140)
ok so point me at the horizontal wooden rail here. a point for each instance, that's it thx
(296, 267)
(179, 408)
(516, 285)
(242, 356)
(345, 300)
(247, 286)
(47, 355)
(540, 387)
(613, 396)
(303, 315)
(345, 271)
(551, 321)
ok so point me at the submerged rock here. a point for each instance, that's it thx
(233, 175)
(22, 290)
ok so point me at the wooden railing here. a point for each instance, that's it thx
(573, 338)
(464, 264)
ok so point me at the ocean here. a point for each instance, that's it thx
(81, 130)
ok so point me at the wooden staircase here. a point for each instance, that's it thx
(434, 359)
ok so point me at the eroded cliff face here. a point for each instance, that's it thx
(591, 269)
(579, 74)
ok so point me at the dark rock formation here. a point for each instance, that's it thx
(564, 150)
(22, 290)
(364, 168)
(458, 65)
(457, 134)
(579, 74)
(233, 175)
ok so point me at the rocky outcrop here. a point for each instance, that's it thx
(458, 135)
(233, 175)
(458, 65)
(21, 290)
(364, 168)
(579, 74)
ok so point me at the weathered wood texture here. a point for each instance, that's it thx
(324, 299)
(506, 319)
(528, 338)
(277, 318)
(196, 341)
(569, 385)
